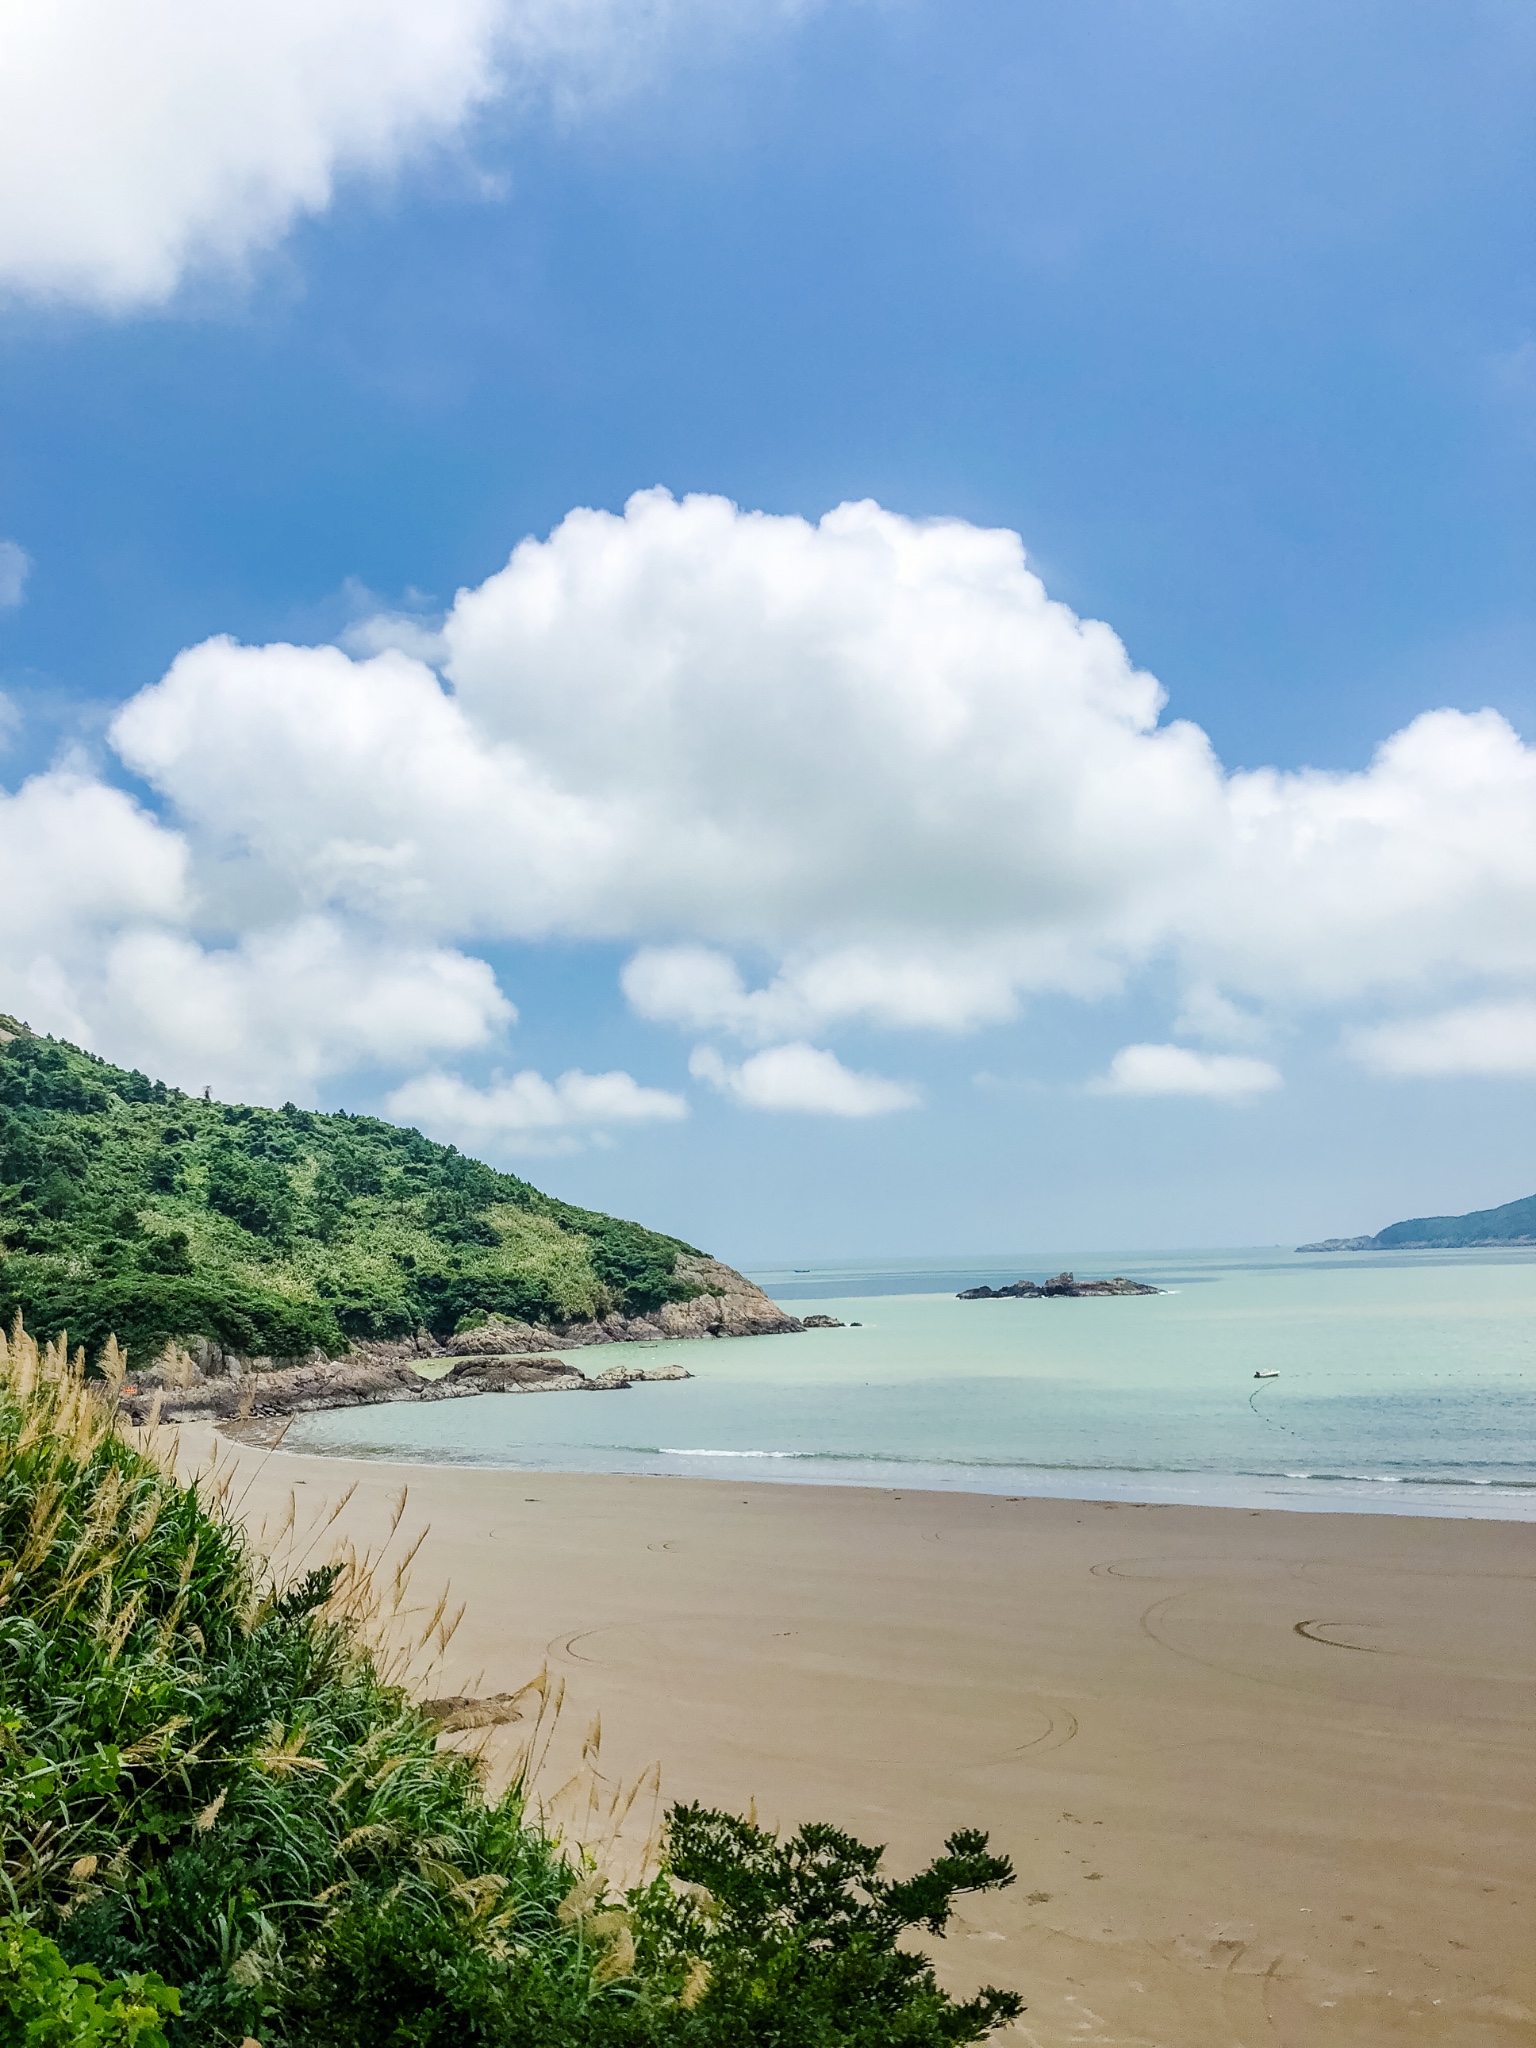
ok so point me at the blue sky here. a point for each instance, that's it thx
(1226, 311)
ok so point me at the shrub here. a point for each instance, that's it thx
(796, 1941)
(48, 2003)
(147, 1310)
(251, 1191)
(205, 1779)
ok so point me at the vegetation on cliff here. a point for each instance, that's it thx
(129, 1208)
(1511, 1223)
(208, 1784)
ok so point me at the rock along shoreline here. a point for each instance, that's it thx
(207, 1384)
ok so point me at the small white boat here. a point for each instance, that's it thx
(1266, 1375)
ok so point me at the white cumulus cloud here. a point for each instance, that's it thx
(286, 1007)
(861, 771)
(98, 904)
(1418, 871)
(936, 987)
(79, 860)
(1176, 1070)
(140, 139)
(804, 1078)
(871, 751)
(1495, 1039)
(528, 1113)
(872, 743)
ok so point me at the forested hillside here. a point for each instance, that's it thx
(127, 1207)
(1511, 1223)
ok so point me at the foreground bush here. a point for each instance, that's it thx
(205, 1779)
(44, 2003)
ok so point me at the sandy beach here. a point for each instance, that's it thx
(1266, 1777)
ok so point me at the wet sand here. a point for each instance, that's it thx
(1267, 1778)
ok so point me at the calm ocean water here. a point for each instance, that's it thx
(1407, 1384)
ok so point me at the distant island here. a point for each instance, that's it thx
(1064, 1285)
(1513, 1223)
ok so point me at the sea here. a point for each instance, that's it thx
(1392, 1382)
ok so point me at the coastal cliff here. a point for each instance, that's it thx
(207, 1384)
(268, 1260)
(171, 1394)
(727, 1304)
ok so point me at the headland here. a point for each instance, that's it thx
(205, 1383)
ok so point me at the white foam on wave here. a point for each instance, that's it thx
(671, 1451)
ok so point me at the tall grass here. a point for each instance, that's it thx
(206, 1773)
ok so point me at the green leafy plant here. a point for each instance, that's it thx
(797, 1941)
(46, 2002)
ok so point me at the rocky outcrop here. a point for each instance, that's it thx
(729, 1305)
(207, 1384)
(1064, 1284)
(183, 1393)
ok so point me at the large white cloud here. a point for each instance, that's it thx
(80, 865)
(287, 1007)
(312, 780)
(845, 739)
(1419, 871)
(96, 901)
(79, 860)
(871, 752)
(861, 771)
(142, 138)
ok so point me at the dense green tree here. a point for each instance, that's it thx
(128, 1207)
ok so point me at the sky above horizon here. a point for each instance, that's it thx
(849, 626)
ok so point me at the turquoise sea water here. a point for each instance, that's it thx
(1407, 1384)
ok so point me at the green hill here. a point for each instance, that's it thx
(1513, 1223)
(128, 1207)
